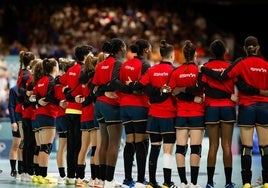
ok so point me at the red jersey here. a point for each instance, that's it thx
(70, 79)
(254, 71)
(132, 69)
(157, 76)
(105, 72)
(88, 110)
(41, 89)
(186, 75)
(23, 83)
(58, 88)
(227, 86)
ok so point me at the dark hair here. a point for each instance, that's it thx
(81, 51)
(165, 49)
(217, 48)
(25, 59)
(114, 46)
(48, 65)
(188, 50)
(139, 46)
(106, 47)
(38, 71)
(251, 45)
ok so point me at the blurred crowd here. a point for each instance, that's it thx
(60, 27)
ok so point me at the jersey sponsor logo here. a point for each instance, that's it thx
(105, 67)
(72, 73)
(40, 85)
(160, 74)
(190, 75)
(129, 67)
(219, 69)
(254, 69)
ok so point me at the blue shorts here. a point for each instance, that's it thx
(18, 116)
(216, 115)
(252, 115)
(87, 125)
(134, 119)
(160, 125)
(61, 124)
(133, 113)
(35, 125)
(106, 113)
(46, 122)
(190, 122)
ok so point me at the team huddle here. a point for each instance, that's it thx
(91, 100)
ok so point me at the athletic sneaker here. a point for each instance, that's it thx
(229, 185)
(13, 173)
(91, 182)
(194, 186)
(81, 182)
(112, 184)
(183, 185)
(153, 185)
(98, 183)
(257, 183)
(171, 185)
(18, 177)
(210, 185)
(35, 179)
(246, 185)
(141, 184)
(61, 180)
(70, 181)
(128, 183)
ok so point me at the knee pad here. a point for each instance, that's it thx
(46, 148)
(93, 150)
(181, 149)
(263, 150)
(36, 150)
(196, 149)
(246, 150)
(167, 160)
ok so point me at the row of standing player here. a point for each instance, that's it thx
(162, 84)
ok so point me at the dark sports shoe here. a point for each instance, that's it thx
(129, 183)
(13, 173)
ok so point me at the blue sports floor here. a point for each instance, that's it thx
(7, 182)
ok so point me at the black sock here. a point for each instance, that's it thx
(103, 172)
(129, 151)
(153, 158)
(141, 155)
(110, 173)
(228, 174)
(182, 174)
(20, 167)
(210, 171)
(36, 169)
(92, 169)
(194, 174)
(97, 171)
(80, 171)
(62, 172)
(13, 165)
(43, 171)
(167, 175)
